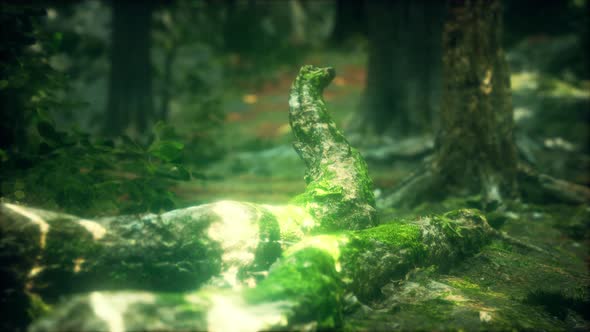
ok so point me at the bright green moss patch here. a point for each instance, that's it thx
(308, 280)
(397, 235)
(329, 243)
(463, 284)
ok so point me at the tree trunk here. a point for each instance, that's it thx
(403, 67)
(130, 104)
(476, 150)
(350, 18)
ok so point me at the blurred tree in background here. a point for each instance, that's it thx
(403, 83)
(130, 103)
(476, 151)
(350, 20)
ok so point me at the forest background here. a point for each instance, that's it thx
(112, 101)
(121, 107)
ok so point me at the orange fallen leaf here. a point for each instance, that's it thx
(233, 117)
(250, 99)
(339, 81)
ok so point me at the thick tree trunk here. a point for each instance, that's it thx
(403, 67)
(476, 150)
(350, 18)
(130, 105)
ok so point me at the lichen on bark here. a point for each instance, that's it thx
(339, 190)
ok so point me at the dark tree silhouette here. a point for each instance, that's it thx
(130, 105)
(404, 66)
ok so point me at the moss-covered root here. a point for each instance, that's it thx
(375, 256)
(339, 191)
(54, 254)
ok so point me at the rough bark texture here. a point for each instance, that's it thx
(475, 152)
(476, 149)
(339, 192)
(305, 289)
(230, 247)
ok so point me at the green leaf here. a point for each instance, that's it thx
(166, 150)
(175, 172)
(48, 132)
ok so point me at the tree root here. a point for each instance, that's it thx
(427, 184)
(540, 186)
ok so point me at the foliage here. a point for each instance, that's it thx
(44, 166)
(27, 82)
(70, 171)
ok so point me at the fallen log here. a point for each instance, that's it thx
(306, 289)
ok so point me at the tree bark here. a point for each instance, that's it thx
(475, 152)
(339, 192)
(130, 105)
(476, 149)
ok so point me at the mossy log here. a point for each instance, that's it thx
(178, 250)
(309, 287)
(144, 272)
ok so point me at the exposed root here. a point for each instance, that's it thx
(539, 186)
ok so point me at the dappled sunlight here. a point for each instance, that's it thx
(34, 218)
(232, 313)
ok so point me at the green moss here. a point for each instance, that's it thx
(463, 284)
(37, 307)
(269, 247)
(293, 221)
(328, 243)
(365, 182)
(398, 235)
(307, 280)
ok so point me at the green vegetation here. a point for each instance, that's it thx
(217, 128)
(307, 280)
